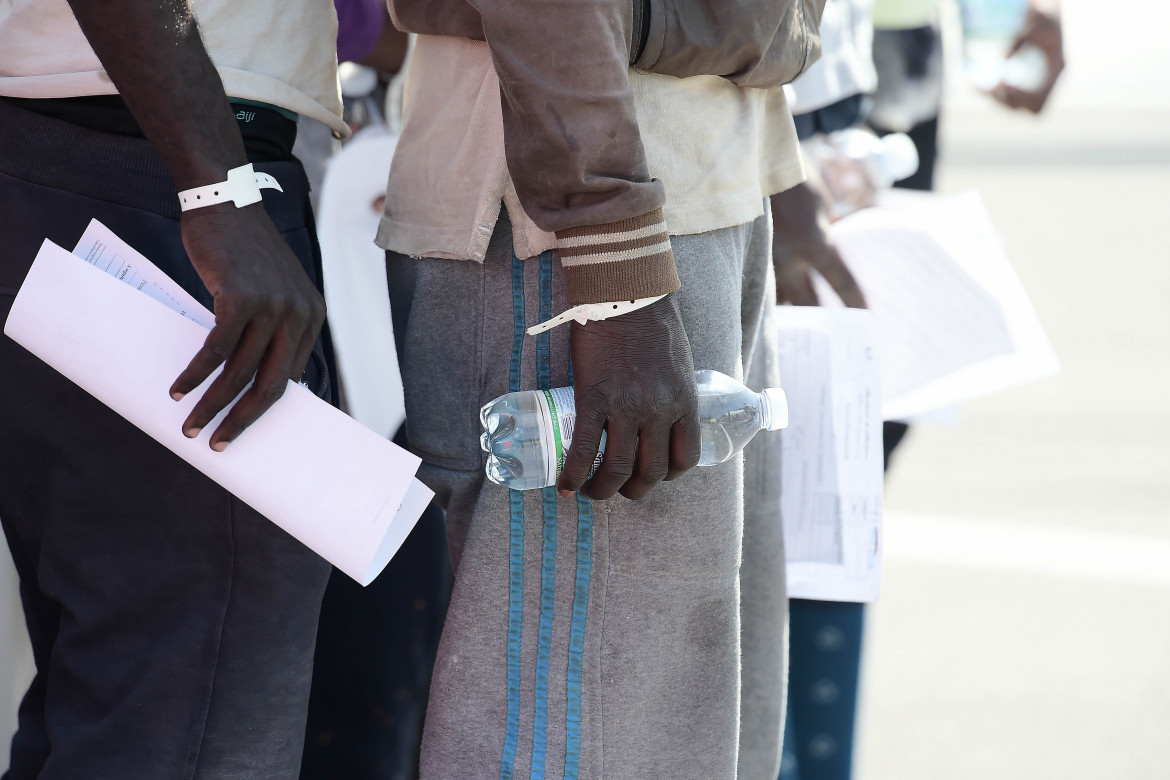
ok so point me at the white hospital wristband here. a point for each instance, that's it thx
(243, 187)
(587, 312)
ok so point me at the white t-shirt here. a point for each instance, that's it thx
(719, 149)
(280, 52)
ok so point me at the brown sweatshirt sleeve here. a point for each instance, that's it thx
(573, 147)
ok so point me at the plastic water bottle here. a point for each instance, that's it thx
(855, 164)
(989, 28)
(527, 434)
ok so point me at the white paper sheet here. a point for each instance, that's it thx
(831, 464)
(354, 269)
(342, 490)
(103, 249)
(953, 320)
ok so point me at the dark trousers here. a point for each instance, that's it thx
(172, 626)
(375, 651)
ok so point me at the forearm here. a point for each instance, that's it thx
(573, 144)
(153, 53)
(570, 128)
(267, 310)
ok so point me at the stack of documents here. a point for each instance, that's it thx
(831, 461)
(117, 326)
(948, 321)
(953, 321)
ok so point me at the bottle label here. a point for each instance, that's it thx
(558, 418)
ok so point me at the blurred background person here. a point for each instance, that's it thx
(824, 636)
(1023, 536)
(829, 101)
(908, 55)
(370, 51)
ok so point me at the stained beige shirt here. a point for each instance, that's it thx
(281, 52)
(719, 149)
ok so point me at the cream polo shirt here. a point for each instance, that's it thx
(719, 149)
(280, 52)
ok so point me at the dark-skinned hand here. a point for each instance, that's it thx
(267, 312)
(634, 380)
(267, 316)
(801, 244)
(1041, 29)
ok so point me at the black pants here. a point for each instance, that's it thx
(172, 626)
(376, 649)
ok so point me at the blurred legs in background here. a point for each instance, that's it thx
(375, 650)
(826, 637)
(824, 656)
(824, 661)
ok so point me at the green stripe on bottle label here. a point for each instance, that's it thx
(556, 429)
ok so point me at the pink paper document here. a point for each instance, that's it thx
(114, 324)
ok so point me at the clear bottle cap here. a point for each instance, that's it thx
(899, 158)
(777, 408)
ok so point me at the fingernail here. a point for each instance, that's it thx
(177, 396)
(191, 433)
(220, 446)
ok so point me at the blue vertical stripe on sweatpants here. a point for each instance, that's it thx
(548, 558)
(516, 544)
(577, 631)
(577, 637)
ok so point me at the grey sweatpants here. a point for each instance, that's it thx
(592, 639)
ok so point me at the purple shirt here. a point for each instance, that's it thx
(359, 26)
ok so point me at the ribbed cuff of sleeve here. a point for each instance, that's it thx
(618, 261)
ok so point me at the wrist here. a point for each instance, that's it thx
(620, 261)
(595, 312)
(241, 187)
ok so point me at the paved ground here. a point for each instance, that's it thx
(1022, 633)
